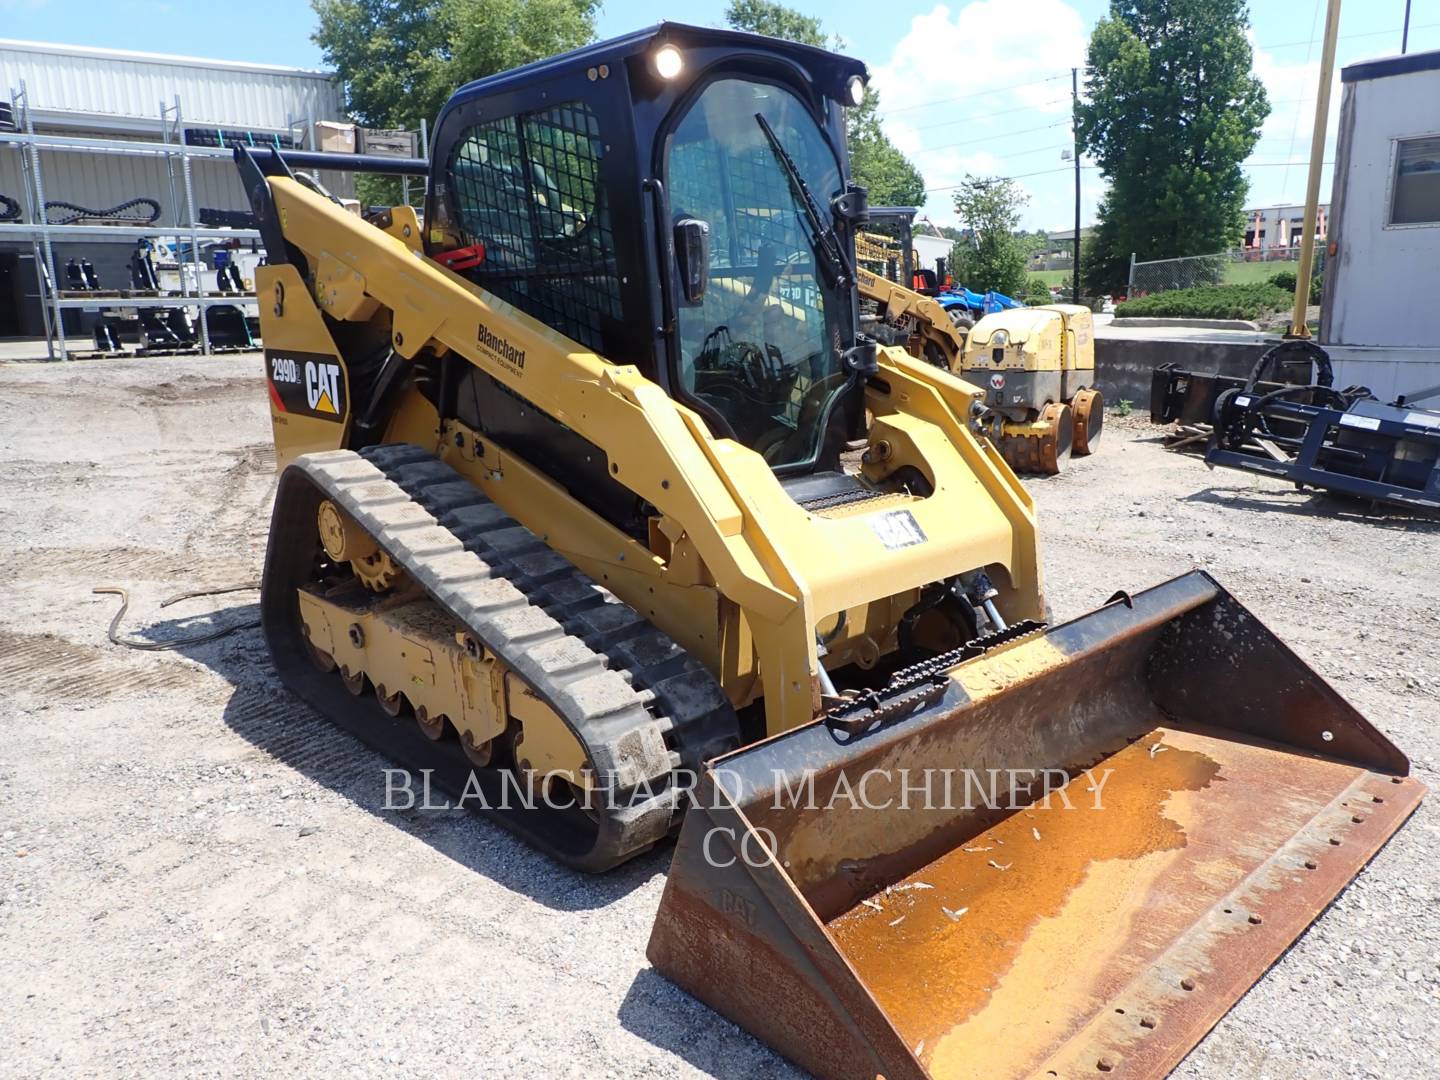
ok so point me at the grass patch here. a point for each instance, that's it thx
(1248, 301)
(1053, 277)
(1245, 273)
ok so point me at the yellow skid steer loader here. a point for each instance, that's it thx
(563, 517)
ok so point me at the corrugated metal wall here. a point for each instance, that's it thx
(100, 181)
(101, 84)
(102, 93)
(104, 83)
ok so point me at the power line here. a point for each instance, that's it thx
(1035, 150)
(1295, 129)
(1018, 176)
(1066, 169)
(974, 94)
(1349, 37)
(1087, 70)
(976, 117)
(993, 138)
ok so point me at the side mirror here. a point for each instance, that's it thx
(852, 204)
(692, 256)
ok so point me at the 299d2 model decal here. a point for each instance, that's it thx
(308, 384)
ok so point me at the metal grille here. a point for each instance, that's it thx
(528, 187)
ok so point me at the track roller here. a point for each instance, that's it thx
(392, 704)
(432, 727)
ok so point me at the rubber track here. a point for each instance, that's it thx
(637, 701)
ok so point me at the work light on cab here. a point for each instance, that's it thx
(668, 62)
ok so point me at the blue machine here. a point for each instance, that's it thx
(1343, 441)
(958, 299)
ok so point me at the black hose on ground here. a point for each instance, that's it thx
(113, 633)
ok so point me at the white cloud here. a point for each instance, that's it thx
(953, 71)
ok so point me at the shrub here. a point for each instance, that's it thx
(1316, 284)
(1210, 302)
(1036, 291)
(1285, 279)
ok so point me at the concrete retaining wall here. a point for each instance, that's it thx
(1123, 366)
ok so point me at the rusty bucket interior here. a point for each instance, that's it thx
(1073, 863)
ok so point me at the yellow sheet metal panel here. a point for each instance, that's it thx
(1079, 337)
(1019, 339)
(305, 375)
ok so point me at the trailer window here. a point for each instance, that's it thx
(1417, 182)
(528, 187)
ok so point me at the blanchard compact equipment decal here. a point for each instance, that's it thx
(307, 384)
(508, 355)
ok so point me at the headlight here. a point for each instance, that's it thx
(855, 89)
(668, 62)
(1000, 337)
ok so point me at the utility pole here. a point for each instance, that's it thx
(1405, 33)
(1075, 135)
(1298, 328)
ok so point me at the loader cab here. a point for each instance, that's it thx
(646, 198)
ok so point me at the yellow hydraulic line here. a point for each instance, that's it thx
(1298, 329)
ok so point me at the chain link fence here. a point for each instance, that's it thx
(1163, 275)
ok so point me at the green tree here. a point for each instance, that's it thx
(400, 62)
(1037, 291)
(1171, 110)
(994, 257)
(777, 21)
(875, 163)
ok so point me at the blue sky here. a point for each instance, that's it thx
(979, 86)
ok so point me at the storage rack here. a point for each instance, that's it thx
(43, 235)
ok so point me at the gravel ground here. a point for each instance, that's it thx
(197, 875)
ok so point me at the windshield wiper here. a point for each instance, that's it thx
(828, 252)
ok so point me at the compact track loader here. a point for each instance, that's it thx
(562, 517)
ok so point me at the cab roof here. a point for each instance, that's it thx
(823, 61)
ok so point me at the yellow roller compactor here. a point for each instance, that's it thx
(1037, 369)
(562, 512)
(1034, 367)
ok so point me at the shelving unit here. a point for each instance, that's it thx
(43, 235)
(178, 156)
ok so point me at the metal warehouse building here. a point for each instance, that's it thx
(130, 99)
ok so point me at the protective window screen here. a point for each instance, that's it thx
(1417, 182)
(528, 187)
